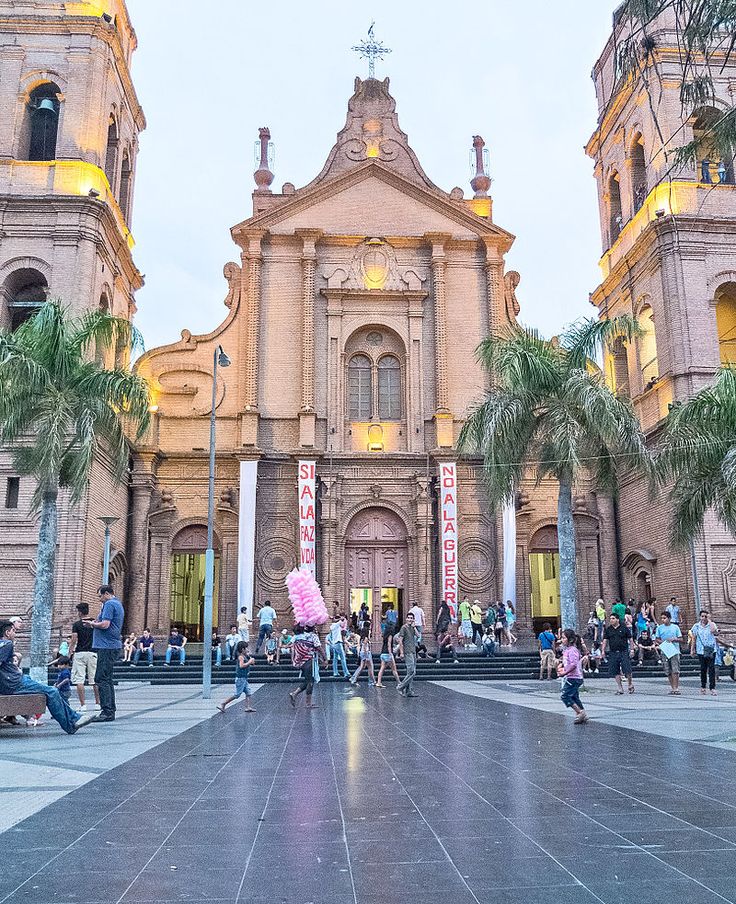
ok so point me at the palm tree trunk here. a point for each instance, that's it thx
(43, 589)
(566, 544)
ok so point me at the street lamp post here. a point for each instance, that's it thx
(108, 521)
(220, 359)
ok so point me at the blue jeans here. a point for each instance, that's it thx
(137, 655)
(59, 709)
(338, 654)
(217, 653)
(264, 632)
(182, 655)
(571, 692)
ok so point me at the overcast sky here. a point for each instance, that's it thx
(209, 75)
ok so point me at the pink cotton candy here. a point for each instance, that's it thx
(306, 597)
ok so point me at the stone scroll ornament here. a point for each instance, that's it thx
(306, 597)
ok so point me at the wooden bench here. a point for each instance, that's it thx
(21, 704)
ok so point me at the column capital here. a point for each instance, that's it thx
(437, 240)
(249, 240)
(309, 238)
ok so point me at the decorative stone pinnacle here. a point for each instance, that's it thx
(481, 182)
(263, 175)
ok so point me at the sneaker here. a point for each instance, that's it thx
(581, 719)
(82, 708)
(133, 665)
(83, 720)
(456, 661)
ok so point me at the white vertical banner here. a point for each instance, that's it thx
(509, 552)
(307, 514)
(448, 535)
(246, 535)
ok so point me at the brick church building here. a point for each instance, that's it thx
(353, 308)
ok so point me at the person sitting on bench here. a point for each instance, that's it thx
(14, 683)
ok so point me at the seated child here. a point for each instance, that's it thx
(64, 679)
(271, 646)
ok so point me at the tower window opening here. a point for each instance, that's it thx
(638, 174)
(726, 323)
(616, 218)
(713, 164)
(126, 175)
(648, 348)
(111, 155)
(23, 294)
(43, 122)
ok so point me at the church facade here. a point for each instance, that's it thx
(353, 314)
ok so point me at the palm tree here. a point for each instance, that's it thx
(58, 408)
(549, 410)
(697, 458)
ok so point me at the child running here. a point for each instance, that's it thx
(242, 669)
(571, 670)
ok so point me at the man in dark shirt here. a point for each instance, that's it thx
(14, 682)
(107, 642)
(84, 663)
(177, 642)
(616, 641)
(146, 644)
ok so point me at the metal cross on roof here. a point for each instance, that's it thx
(371, 50)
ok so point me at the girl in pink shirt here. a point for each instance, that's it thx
(571, 669)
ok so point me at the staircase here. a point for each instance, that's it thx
(471, 667)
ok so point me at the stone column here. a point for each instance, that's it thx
(248, 365)
(497, 317)
(443, 416)
(307, 416)
(143, 483)
(12, 58)
(608, 547)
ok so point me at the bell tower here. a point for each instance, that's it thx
(668, 231)
(69, 126)
(68, 147)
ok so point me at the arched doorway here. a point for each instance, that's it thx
(187, 581)
(544, 567)
(376, 558)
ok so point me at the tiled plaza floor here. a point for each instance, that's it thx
(372, 798)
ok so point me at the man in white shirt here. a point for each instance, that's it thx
(267, 618)
(418, 620)
(338, 648)
(674, 611)
(667, 638)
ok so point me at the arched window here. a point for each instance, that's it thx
(43, 122)
(712, 164)
(125, 177)
(614, 193)
(24, 292)
(648, 348)
(389, 389)
(360, 388)
(618, 368)
(726, 322)
(638, 173)
(111, 155)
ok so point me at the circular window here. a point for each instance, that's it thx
(374, 338)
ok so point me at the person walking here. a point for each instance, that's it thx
(407, 641)
(107, 642)
(547, 658)
(667, 639)
(510, 622)
(337, 645)
(616, 641)
(476, 622)
(419, 620)
(674, 610)
(244, 624)
(84, 661)
(571, 672)
(243, 666)
(703, 643)
(305, 652)
(387, 657)
(266, 621)
(600, 611)
(465, 631)
(14, 682)
(365, 657)
(441, 625)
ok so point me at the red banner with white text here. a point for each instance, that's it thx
(448, 535)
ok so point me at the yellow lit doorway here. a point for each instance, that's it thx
(187, 594)
(544, 568)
